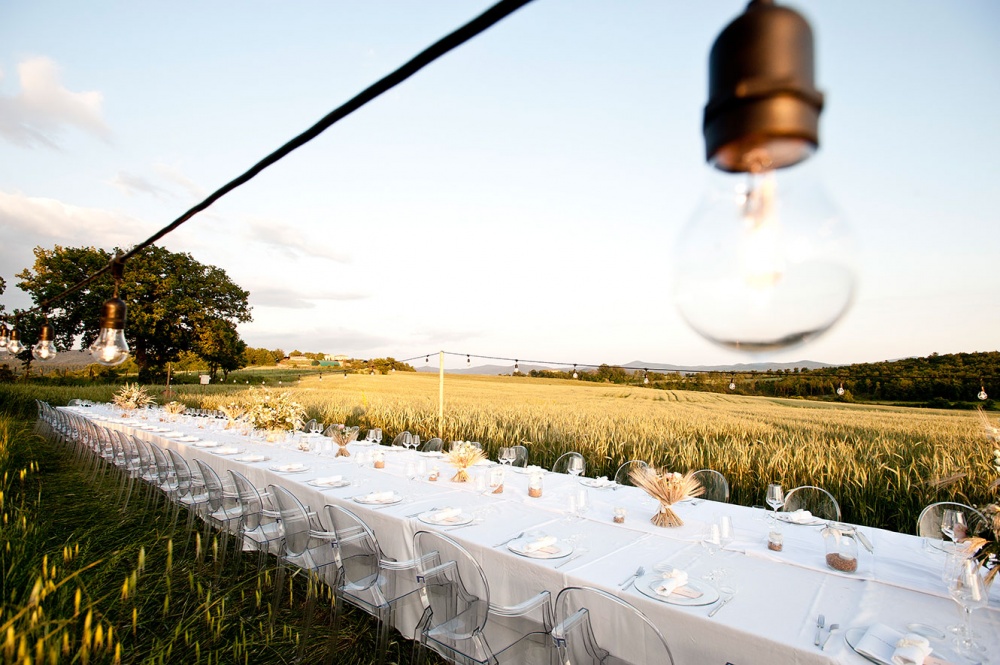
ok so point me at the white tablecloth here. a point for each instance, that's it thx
(772, 618)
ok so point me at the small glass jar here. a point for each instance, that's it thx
(775, 541)
(535, 485)
(496, 480)
(620, 512)
(378, 460)
(841, 542)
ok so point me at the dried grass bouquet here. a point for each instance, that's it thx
(668, 488)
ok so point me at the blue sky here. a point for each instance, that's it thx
(520, 197)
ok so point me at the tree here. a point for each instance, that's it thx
(170, 298)
(221, 347)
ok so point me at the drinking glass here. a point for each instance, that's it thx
(953, 524)
(575, 466)
(315, 427)
(775, 498)
(968, 590)
(506, 455)
(378, 435)
(726, 532)
(579, 504)
(415, 441)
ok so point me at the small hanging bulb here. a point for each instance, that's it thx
(46, 348)
(645, 377)
(515, 365)
(345, 375)
(575, 375)
(427, 360)
(982, 393)
(373, 373)
(468, 360)
(840, 390)
(110, 347)
(393, 370)
(732, 383)
(14, 345)
(3, 337)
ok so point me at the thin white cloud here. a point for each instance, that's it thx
(132, 183)
(290, 241)
(39, 112)
(177, 177)
(289, 299)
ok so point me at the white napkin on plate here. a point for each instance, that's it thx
(672, 581)
(911, 649)
(540, 543)
(800, 516)
(379, 497)
(602, 482)
(446, 514)
(329, 480)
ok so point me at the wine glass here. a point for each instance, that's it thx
(506, 456)
(953, 524)
(579, 504)
(378, 435)
(575, 466)
(775, 498)
(968, 590)
(315, 427)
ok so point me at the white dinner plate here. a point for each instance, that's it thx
(329, 484)
(562, 549)
(227, 450)
(206, 444)
(597, 484)
(647, 586)
(289, 468)
(188, 439)
(433, 453)
(457, 520)
(853, 636)
(388, 502)
(527, 469)
(252, 458)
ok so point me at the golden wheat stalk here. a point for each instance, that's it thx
(462, 458)
(668, 488)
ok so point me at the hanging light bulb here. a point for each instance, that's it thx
(840, 390)
(645, 377)
(763, 264)
(14, 345)
(427, 360)
(982, 393)
(732, 383)
(45, 349)
(575, 375)
(345, 375)
(468, 360)
(110, 347)
(515, 365)
(4, 333)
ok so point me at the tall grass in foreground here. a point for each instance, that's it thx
(87, 582)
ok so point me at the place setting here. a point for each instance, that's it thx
(378, 498)
(224, 450)
(539, 545)
(289, 468)
(253, 458)
(446, 517)
(329, 482)
(205, 444)
(602, 483)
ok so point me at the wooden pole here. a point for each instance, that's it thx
(441, 394)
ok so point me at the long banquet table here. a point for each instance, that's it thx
(771, 619)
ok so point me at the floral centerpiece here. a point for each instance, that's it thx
(342, 435)
(174, 408)
(275, 412)
(233, 412)
(462, 457)
(667, 488)
(132, 396)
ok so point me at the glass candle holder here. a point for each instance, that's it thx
(620, 512)
(535, 485)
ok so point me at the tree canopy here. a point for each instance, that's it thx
(175, 304)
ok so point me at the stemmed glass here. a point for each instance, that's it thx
(968, 590)
(953, 524)
(775, 498)
(575, 466)
(378, 435)
(315, 427)
(711, 541)
(579, 504)
(507, 456)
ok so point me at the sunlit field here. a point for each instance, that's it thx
(879, 462)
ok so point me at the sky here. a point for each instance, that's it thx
(522, 196)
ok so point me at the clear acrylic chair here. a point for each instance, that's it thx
(402, 438)
(520, 455)
(258, 527)
(622, 476)
(929, 521)
(366, 578)
(432, 445)
(588, 618)
(461, 624)
(223, 512)
(816, 500)
(714, 484)
(562, 464)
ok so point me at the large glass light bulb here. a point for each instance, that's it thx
(45, 349)
(110, 347)
(14, 345)
(766, 262)
(3, 337)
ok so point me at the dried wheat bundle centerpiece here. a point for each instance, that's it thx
(668, 488)
(342, 435)
(233, 412)
(174, 408)
(132, 396)
(462, 457)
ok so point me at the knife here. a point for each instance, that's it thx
(720, 605)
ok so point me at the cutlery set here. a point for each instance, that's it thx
(820, 624)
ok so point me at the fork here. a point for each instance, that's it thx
(639, 572)
(509, 539)
(820, 622)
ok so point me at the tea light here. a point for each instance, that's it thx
(620, 513)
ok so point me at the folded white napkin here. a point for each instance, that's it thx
(540, 543)
(800, 516)
(228, 450)
(446, 514)
(329, 480)
(602, 482)
(672, 581)
(379, 497)
(911, 649)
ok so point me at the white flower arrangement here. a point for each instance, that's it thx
(273, 411)
(132, 396)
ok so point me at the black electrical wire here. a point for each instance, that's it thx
(456, 38)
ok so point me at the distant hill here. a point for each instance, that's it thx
(524, 368)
